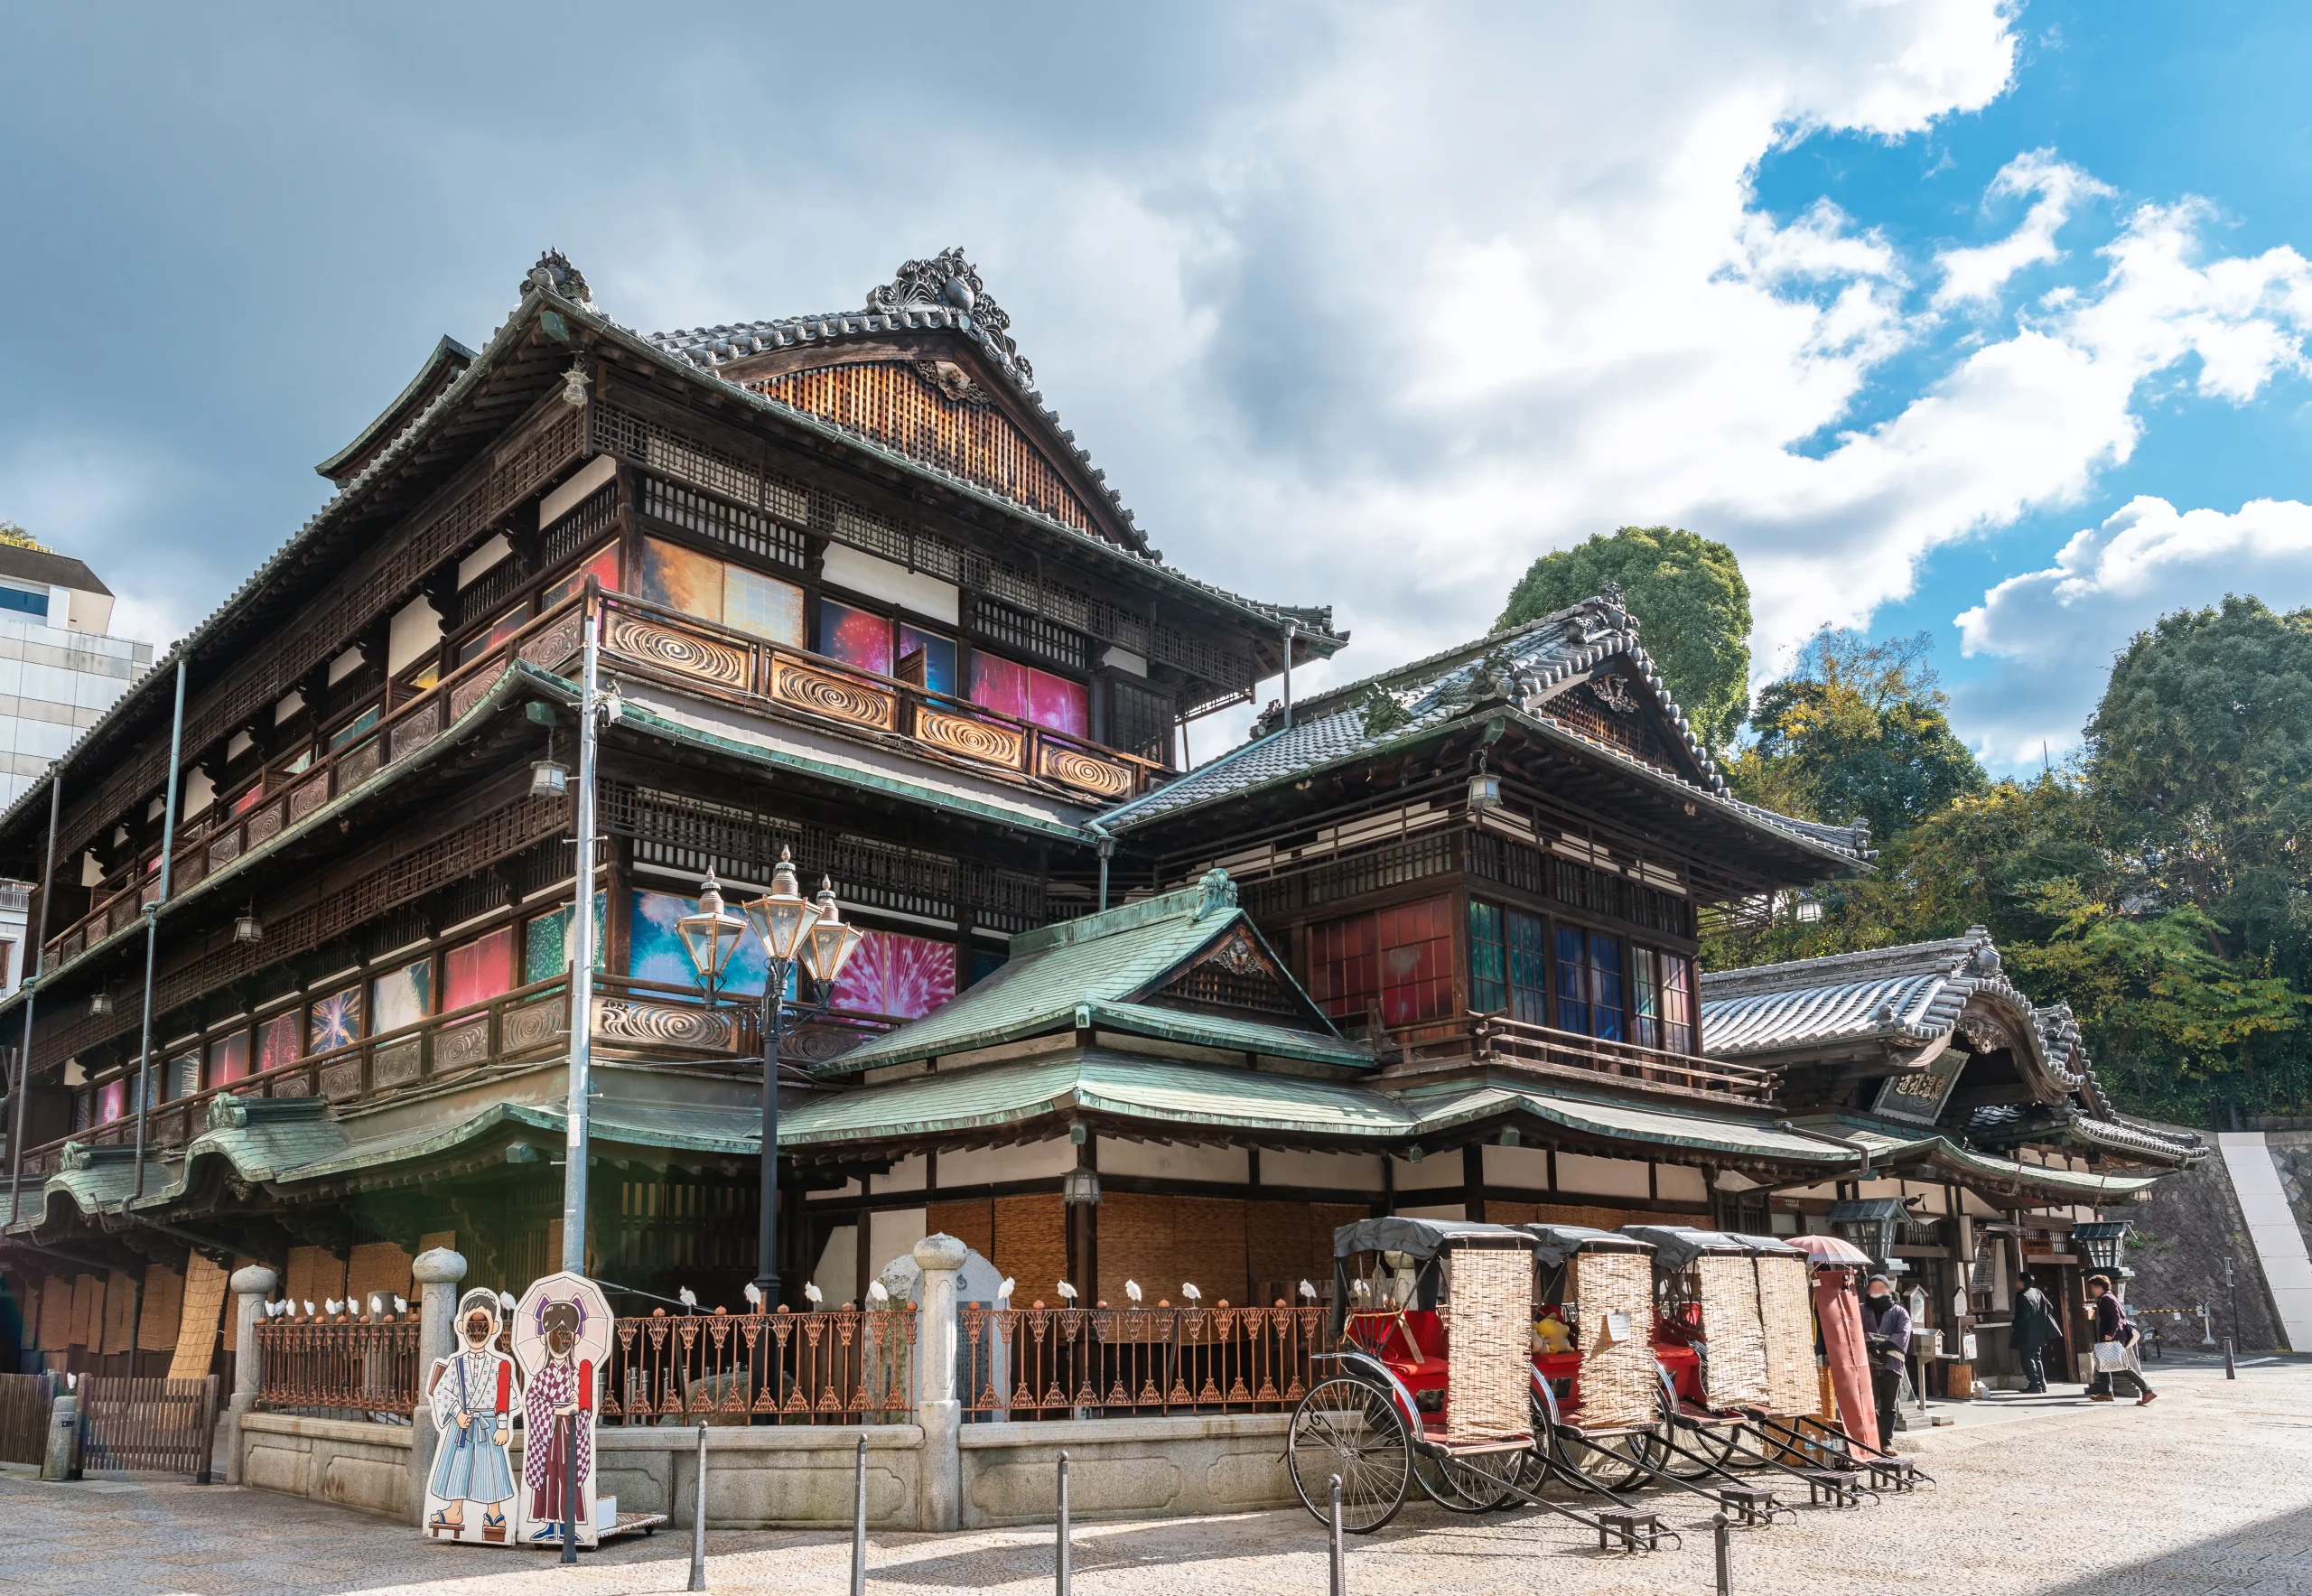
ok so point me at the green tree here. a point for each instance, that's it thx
(15, 536)
(1859, 731)
(1690, 600)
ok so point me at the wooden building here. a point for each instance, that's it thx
(1424, 944)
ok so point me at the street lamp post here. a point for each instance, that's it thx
(794, 931)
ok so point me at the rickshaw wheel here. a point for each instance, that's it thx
(1715, 1443)
(1347, 1427)
(1456, 1487)
(1614, 1463)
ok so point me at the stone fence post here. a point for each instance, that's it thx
(937, 1409)
(437, 1272)
(250, 1286)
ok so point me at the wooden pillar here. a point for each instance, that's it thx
(1473, 1183)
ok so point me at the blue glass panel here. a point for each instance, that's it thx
(1572, 981)
(1488, 986)
(1606, 987)
(29, 603)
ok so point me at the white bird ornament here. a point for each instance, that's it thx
(876, 1293)
(1067, 1291)
(812, 1293)
(754, 1296)
(1132, 1290)
(401, 1304)
(506, 1300)
(376, 1306)
(686, 1297)
(1188, 1290)
(308, 1307)
(1003, 1289)
(1308, 1291)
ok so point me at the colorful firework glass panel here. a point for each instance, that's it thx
(861, 640)
(276, 1042)
(656, 951)
(896, 975)
(477, 971)
(763, 606)
(674, 576)
(403, 997)
(337, 1022)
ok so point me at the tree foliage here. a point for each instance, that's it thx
(1692, 605)
(15, 536)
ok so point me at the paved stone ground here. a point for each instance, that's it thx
(2208, 1491)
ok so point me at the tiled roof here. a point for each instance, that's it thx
(1517, 671)
(1090, 971)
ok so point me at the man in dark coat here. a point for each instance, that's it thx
(1886, 1332)
(2035, 1327)
(2111, 1325)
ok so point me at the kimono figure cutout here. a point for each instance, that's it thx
(561, 1336)
(470, 1494)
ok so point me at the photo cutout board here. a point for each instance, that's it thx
(561, 1339)
(473, 1396)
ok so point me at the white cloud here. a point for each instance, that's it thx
(1979, 274)
(2058, 629)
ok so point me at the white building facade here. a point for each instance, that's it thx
(60, 670)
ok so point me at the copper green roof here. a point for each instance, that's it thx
(1627, 1122)
(1154, 1093)
(1093, 973)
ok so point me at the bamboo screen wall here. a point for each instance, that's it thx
(1727, 1288)
(1620, 1383)
(1489, 1318)
(889, 402)
(1025, 1237)
(1786, 1306)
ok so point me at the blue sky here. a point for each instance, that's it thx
(1931, 309)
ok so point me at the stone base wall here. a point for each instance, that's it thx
(2182, 1236)
(1125, 1468)
(765, 1477)
(354, 1465)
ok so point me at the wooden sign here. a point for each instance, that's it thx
(470, 1494)
(1919, 1097)
(561, 1338)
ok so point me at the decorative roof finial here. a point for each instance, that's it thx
(1610, 595)
(1215, 891)
(949, 279)
(555, 273)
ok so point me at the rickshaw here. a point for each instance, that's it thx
(1596, 1405)
(1734, 1338)
(1435, 1380)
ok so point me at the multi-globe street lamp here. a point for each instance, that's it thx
(794, 931)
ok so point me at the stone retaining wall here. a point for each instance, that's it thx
(352, 1464)
(1125, 1468)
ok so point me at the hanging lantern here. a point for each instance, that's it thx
(712, 936)
(830, 943)
(247, 930)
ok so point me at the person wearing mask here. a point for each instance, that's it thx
(2112, 1326)
(2036, 1328)
(1886, 1332)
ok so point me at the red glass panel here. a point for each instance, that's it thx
(228, 1058)
(1416, 961)
(601, 565)
(1344, 966)
(113, 1101)
(479, 970)
(894, 973)
(855, 637)
(999, 684)
(276, 1042)
(1059, 704)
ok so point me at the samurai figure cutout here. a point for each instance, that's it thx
(470, 1495)
(561, 1336)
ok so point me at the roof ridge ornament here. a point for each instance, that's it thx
(1215, 891)
(949, 279)
(555, 275)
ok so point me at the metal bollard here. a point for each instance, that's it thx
(1340, 1561)
(2231, 1370)
(698, 1520)
(1720, 1534)
(570, 1497)
(1059, 1570)
(859, 1525)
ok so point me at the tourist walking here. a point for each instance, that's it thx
(2035, 1327)
(2118, 1347)
(1886, 1331)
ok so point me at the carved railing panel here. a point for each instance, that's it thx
(836, 695)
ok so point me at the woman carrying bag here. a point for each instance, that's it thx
(2116, 1358)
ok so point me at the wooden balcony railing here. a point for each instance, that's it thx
(527, 1025)
(638, 636)
(1497, 1039)
(226, 831)
(734, 664)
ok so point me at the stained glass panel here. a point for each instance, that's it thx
(895, 974)
(601, 565)
(655, 951)
(939, 655)
(681, 580)
(477, 971)
(1059, 704)
(999, 684)
(276, 1042)
(762, 605)
(228, 1057)
(402, 998)
(858, 639)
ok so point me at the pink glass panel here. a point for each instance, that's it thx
(855, 637)
(999, 684)
(276, 1042)
(113, 1102)
(1059, 704)
(480, 970)
(896, 975)
(228, 1058)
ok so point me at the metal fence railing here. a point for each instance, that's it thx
(840, 1366)
(1037, 1362)
(324, 1366)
